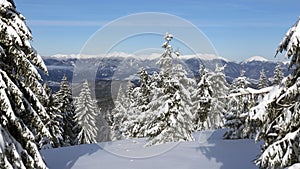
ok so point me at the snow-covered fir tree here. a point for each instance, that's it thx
(263, 81)
(238, 83)
(131, 114)
(188, 84)
(166, 60)
(169, 116)
(233, 121)
(85, 115)
(55, 121)
(238, 105)
(140, 105)
(201, 99)
(172, 121)
(279, 112)
(219, 98)
(139, 97)
(64, 97)
(22, 116)
(143, 91)
(278, 74)
(119, 115)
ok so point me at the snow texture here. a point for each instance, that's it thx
(295, 166)
(215, 153)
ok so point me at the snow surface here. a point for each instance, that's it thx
(208, 151)
(295, 166)
(256, 58)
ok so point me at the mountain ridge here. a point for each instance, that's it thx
(59, 65)
(151, 56)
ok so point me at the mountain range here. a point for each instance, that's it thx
(122, 66)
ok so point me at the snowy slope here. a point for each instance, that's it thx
(211, 153)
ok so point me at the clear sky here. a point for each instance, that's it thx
(238, 29)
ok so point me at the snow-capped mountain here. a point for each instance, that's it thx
(109, 64)
(256, 59)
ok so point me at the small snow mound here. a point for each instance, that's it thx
(256, 58)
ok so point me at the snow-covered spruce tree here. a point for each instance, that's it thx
(22, 115)
(64, 97)
(201, 99)
(143, 91)
(233, 121)
(278, 75)
(219, 98)
(263, 81)
(85, 114)
(238, 105)
(166, 60)
(55, 121)
(188, 84)
(129, 115)
(172, 121)
(119, 115)
(238, 83)
(169, 117)
(279, 114)
(140, 105)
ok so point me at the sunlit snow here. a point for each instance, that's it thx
(208, 151)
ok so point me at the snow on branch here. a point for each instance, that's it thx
(250, 91)
(280, 151)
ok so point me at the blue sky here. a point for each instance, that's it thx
(238, 29)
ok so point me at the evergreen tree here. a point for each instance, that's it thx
(202, 101)
(239, 105)
(238, 83)
(279, 113)
(166, 60)
(278, 75)
(64, 97)
(169, 118)
(201, 71)
(131, 113)
(55, 121)
(143, 92)
(218, 102)
(85, 114)
(119, 115)
(22, 115)
(172, 121)
(140, 105)
(263, 81)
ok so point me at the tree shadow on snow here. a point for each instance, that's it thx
(232, 154)
(66, 157)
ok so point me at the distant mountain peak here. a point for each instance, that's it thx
(256, 58)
